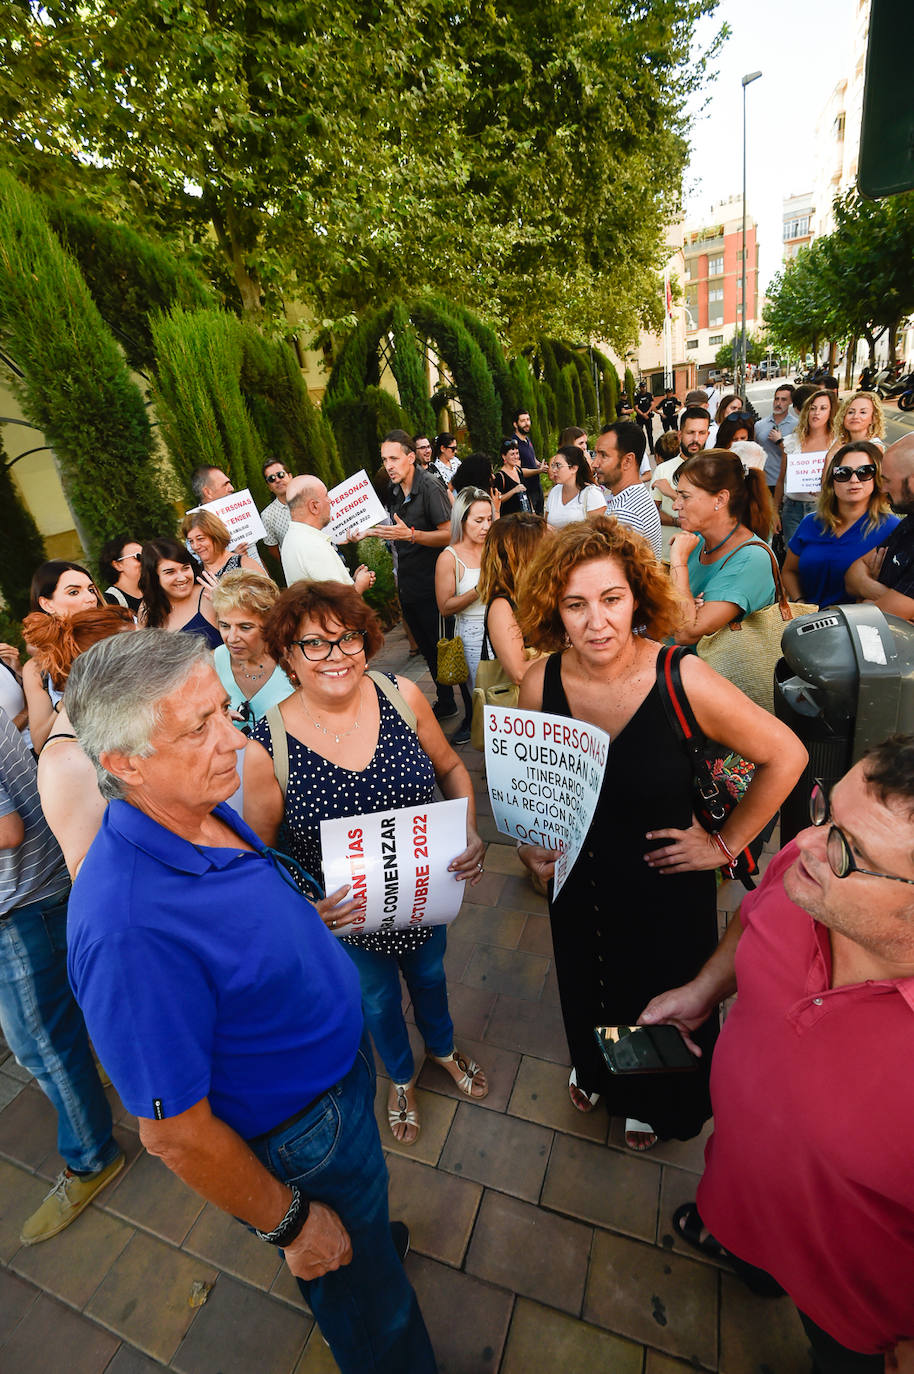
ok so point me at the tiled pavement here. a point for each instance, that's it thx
(539, 1241)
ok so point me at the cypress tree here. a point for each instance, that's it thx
(630, 386)
(465, 361)
(408, 366)
(76, 389)
(566, 413)
(21, 548)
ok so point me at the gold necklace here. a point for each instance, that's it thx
(323, 728)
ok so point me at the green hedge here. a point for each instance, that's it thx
(408, 366)
(21, 548)
(77, 389)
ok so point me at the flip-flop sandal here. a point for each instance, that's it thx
(403, 1114)
(642, 1128)
(688, 1225)
(469, 1072)
(580, 1100)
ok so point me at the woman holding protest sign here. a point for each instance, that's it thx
(208, 540)
(638, 909)
(811, 440)
(359, 743)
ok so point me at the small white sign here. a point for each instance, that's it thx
(544, 773)
(804, 472)
(354, 507)
(240, 517)
(396, 865)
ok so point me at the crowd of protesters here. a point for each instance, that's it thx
(172, 743)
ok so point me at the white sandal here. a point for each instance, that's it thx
(469, 1072)
(403, 1114)
(642, 1128)
(592, 1098)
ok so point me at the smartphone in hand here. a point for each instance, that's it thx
(645, 1049)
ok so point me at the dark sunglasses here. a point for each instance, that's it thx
(276, 477)
(863, 474)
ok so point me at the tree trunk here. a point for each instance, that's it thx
(229, 239)
(868, 335)
(850, 363)
(893, 340)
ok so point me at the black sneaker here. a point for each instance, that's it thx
(461, 736)
(399, 1234)
(445, 710)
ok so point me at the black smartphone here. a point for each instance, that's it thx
(645, 1049)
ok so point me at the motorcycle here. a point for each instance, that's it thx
(892, 387)
(906, 398)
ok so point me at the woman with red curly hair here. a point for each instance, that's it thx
(637, 914)
(352, 751)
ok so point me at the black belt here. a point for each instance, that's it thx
(289, 1121)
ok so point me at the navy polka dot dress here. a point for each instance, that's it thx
(400, 773)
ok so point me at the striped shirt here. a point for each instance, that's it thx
(636, 508)
(34, 870)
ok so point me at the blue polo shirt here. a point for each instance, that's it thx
(202, 973)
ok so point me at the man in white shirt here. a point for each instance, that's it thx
(276, 518)
(307, 554)
(617, 464)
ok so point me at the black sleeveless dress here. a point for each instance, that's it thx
(622, 932)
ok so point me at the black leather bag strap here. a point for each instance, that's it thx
(687, 730)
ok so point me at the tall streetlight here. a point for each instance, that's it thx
(741, 366)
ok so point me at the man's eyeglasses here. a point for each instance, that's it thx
(866, 473)
(276, 477)
(316, 650)
(837, 847)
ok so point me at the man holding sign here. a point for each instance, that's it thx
(307, 555)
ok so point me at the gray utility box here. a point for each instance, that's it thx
(845, 682)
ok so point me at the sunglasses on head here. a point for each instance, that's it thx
(866, 473)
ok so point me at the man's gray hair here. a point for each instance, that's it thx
(199, 480)
(115, 691)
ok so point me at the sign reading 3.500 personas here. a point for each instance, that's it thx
(545, 774)
(396, 865)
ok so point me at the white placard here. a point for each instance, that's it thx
(804, 472)
(354, 507)
(240, 517)
(545, 774)
(396, 863)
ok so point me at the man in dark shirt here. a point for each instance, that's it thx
(669, 410)
(528, 460)
(644, 413)
(421, 527)
(885, 575)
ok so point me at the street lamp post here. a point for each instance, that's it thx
(741, 366)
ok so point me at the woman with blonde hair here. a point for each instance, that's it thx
(456, 578)
(860, 417)
(208, 539)
(853, 515)
(509, 548)
(637, 913)
(812, 438)
(254, 681)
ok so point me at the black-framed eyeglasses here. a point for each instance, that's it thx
(866, 473)
(837, 847)
(316, 649)
(276, 477)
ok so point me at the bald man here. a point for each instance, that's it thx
(885, 575)
(307, 554)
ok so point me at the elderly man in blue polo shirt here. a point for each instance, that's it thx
(227, 1014)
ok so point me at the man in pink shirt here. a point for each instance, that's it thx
(809, 1175)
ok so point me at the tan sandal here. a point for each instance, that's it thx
(403, 1115)
(468, 1074)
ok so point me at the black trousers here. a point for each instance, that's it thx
(421, 615)
(831, 1358)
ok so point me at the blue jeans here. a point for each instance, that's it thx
(45, 1030)
(382, 1001)
(367, 1310)
(792, 512)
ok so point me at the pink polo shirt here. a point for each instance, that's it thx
(810, 1171)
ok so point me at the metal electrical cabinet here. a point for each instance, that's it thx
(845, 682)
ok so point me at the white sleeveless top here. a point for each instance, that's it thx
(467, 581)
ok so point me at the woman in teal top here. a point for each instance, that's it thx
(253, 680)
(721, 508)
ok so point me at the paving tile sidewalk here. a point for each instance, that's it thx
(539, 1241)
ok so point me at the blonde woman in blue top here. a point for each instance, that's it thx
(253, 680)
(852, 516)
(720, 507)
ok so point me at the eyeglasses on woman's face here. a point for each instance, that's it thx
(316, 649)
(866, 473)
(841, 860)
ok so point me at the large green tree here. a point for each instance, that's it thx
(523, 159)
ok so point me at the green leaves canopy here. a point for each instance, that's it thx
(523, 159)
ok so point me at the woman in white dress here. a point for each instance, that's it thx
(456, 578)
(574, 496)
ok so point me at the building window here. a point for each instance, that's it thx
(839, 128)
(716, 318)
(714, 339)
(716, 266)
(715, 293)
(796, 228)
(691, 343)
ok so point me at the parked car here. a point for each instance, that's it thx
(768, 369)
